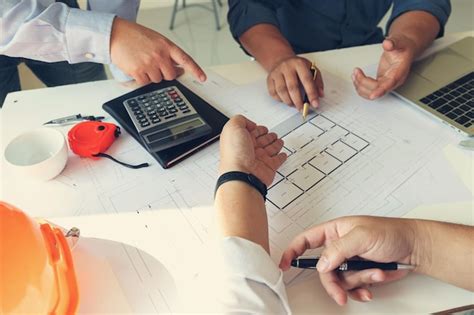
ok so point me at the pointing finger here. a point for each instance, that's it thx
(184, 60)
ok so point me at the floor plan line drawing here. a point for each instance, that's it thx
(351, 157)
(311, 158)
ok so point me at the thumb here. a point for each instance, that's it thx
(394, 42)
(354, 243)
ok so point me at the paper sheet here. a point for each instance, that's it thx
(462, 161)
(140, 282)
(351, 157)
(376, 159)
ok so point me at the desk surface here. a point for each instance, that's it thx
(402, 297)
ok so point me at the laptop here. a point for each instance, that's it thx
(443, 85)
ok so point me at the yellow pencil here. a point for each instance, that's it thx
(305, 110)
(314, 70)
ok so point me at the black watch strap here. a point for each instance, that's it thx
(243, 177)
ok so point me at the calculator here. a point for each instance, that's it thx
(165, 118)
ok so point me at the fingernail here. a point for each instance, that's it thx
(353, 77)
(366, 297)
(376, 277)
(202, 78)
(314, 103)
(323, 264)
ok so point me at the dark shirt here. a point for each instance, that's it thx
(316, 25)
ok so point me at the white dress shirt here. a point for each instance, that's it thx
(50, 31)
(252, 283)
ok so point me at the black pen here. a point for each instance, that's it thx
(351, 265)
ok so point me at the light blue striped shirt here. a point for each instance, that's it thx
(50, 31)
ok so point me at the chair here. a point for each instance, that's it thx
(215, 3)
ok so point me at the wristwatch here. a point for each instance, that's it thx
(243, 177)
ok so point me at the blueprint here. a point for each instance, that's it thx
(350, 157)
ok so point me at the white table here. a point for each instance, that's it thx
(411, 295)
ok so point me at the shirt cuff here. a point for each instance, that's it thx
(440, 9)
(246, 260)
(88, 36)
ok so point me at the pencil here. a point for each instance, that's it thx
(314, 70)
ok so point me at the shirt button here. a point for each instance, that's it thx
(89, 55)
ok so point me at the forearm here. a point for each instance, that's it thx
(241, 212)
(419, 26)
(267, 45)
(445, 251)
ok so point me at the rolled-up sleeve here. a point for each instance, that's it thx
(440, 9)
(54, 32)
(253, 283)
(243, 14)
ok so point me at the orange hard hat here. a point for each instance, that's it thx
(36, 268)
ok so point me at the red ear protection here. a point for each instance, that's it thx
(90, 138)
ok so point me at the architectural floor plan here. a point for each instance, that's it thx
(315, 149)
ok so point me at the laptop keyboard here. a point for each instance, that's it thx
(455, 101)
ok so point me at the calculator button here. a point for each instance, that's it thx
(173, 110)
(163, 114)
(178, 99)
(170, 116)
(186, 111)
(157, 120)
(183, 107)
(145, 124)
(142, 97)
(140, 116)
(168, 103)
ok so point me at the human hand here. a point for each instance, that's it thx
(283, 82)
(372, 238)
(393, 69)
(249, 148)
(148, 56)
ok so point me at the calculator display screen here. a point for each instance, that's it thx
(186, 126)
(174, 131)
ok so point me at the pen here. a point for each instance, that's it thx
(310, 263)
(73, 118)
(314, 71)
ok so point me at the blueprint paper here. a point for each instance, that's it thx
(350, 157)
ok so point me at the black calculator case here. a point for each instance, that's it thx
(173, 155)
